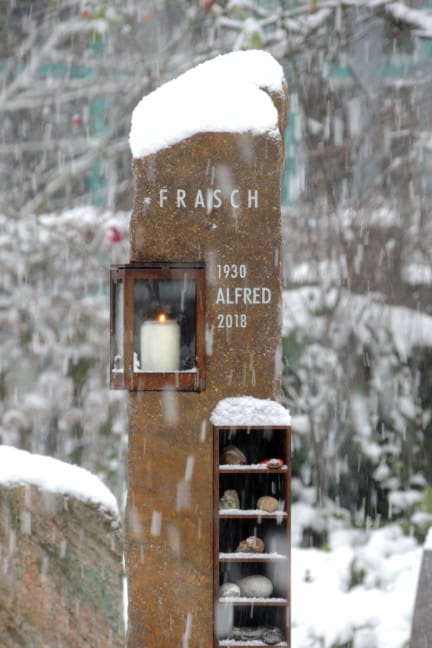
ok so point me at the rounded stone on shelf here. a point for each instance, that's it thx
(255, 586)
(229, 589)
(272, 636)
(233, 456)
(252, 544)
(268, 503)
(230, 499)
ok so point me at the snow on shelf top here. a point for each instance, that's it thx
(225, 94)
(21, 468)
(246, 410)
(254, 512)
(251, 599)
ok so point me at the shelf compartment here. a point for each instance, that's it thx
(257, 443)
(233, 526)
(251, 486)
(277, 572)
(253, 616)
(274, 533)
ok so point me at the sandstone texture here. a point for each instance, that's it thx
(61, 583)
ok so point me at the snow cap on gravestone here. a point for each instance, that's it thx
(236, 92)
(246, 410)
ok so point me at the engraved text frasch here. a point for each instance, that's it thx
(208, 198)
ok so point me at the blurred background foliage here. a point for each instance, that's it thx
(357, 191)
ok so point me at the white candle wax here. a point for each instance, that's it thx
(160, 346)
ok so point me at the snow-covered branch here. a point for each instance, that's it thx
(419, 19)
(41, 56)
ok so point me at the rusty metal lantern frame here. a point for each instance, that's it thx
(124, 372)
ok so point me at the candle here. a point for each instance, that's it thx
(160, 345)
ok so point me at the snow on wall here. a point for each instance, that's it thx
(20, 468)
(246, 410)
(224, 94)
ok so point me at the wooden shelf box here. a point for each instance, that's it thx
(233, 525)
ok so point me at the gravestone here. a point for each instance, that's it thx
(421, 633)
(208, 153)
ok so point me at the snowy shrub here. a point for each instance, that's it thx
(356, 372)
(54, 311)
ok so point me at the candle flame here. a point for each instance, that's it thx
(162, 317)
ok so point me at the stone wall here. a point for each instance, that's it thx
(62, 572)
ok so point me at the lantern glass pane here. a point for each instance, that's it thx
(164, 324)
(119, 327)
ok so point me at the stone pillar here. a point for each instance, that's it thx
(211, 197)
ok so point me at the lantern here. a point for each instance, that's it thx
(158, 326)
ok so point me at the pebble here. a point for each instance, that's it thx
(252, 544)
(229, 500)
(272, 463)
(270, 635)
(268, 503)
(229, 589)
(255, 586)
(233, 456)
